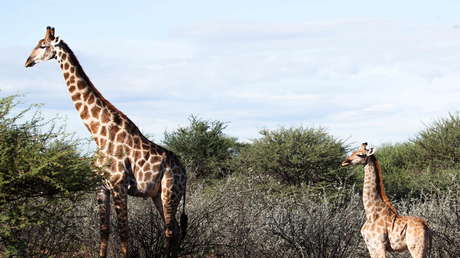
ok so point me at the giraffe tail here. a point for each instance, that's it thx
(183, 218)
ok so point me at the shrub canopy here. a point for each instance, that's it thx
(439, 143)
(39, 166)
(296, 155)
(203, 147)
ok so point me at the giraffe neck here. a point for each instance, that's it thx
(373, 189)
(102, 119)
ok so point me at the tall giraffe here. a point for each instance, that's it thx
(132, 164)
(384, 228)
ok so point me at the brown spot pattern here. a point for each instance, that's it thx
(156, 167)
(129, 140)
(119, 150)
(91, 99)
(113, 132)
(86, 95)
(126, 150)
(148, 176)
(116, 119)
(84, 113)
(156, 159)
(80, 84)
(137, 142)
(141, 163)
(110, 148)
(104, 131)
(94, 127)
(103, 142)
(76, 97)
(121, 137)
(95, 111)
(137, 155)
(105, 118)
(146, 155)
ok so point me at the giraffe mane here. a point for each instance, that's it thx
(381, 187)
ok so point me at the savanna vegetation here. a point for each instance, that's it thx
(283, 194)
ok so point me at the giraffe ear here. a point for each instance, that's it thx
(56, 41)
(371, 152)
(363, 146)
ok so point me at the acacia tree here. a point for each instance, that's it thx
(203, 147)
(439, 143)
(40, 168)
(296, 155)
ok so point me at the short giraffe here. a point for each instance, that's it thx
(384, 229)
(132, 164)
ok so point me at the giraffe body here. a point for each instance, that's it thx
(130, 163)
(384, 229)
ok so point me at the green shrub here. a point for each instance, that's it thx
(39, 169)
(296, 156)
(236, 218)
(425, 164)
(408, 184)
(203, 147)
(403, 173)
(395, 158)
(440, 143)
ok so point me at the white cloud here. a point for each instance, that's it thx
(376, 81)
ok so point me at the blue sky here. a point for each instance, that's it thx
(366, 71)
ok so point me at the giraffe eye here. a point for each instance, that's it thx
(361, 155)
(42, 46)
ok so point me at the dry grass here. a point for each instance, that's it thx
(238, 219)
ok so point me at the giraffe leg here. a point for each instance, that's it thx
(159, 205)
(375, 246)
(377, 251)
(157, 200)
(120, 200)
(103, 201)
(170, 201)
(380, 250)
(171, 229)
(418, 241)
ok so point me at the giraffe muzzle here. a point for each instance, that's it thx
(30, 62)
(346, 163)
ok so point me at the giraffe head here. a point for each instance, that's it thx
(45, 49)
(359, 157)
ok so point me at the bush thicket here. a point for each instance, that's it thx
(203, 147)
(41, 172)
(235, 218)
(440, 144)
(296, 156)
(284, 194)
(427, 163)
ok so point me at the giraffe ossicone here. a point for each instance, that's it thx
(384, 229)
(132, 164)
